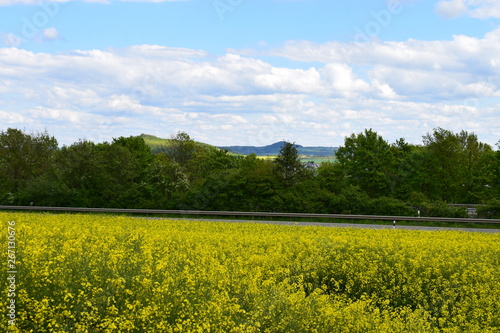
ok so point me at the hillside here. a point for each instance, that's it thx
(274, 149)
(314, 154)
(157, 143)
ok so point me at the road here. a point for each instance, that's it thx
(345, 225)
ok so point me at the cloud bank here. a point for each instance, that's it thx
(400, 89)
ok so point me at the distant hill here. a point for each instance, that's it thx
(157, 144)
(274, 149)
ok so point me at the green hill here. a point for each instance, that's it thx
(157, 144)
(315, 154)
(274, 149)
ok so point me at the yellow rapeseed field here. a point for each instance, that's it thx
(98, 273)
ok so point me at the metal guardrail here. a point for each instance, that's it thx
(252, 214)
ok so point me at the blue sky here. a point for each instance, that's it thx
(239, 72)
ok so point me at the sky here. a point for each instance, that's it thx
(241, 72)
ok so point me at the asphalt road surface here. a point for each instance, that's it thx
(346, 225)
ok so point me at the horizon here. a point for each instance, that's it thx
(494, 146)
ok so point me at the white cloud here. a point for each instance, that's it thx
(417, 69)
(35, 35)
(30, 2)
(289, 80)
(37, 2)
(457, 54)
(50, 34)
(13, 118)
(451, 9)
(10, 39)
(401, 89)
(69, 116)
(340, 78)
(384, 90)
(481, 9)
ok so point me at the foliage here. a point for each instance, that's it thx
(459, 167)
(181, 149)
(332, 177)
(95, 273)
(23, 158)
(390, 206)
(288, 168)
(166, 180)
(370, 175)
(367, 161)
(441, 209)
(496, 173)
(491, 210)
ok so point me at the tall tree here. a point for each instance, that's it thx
(287, 166)
(368, 162)
(477, 168)
(405, 177)
(138, 148)
(181, 149)
(166, 182)
(496, 171)
(331, 176)
(442, 157)
(458, 168)
(209, 159)
(106, 174)
(24, 157)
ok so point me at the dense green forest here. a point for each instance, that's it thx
(371, 175)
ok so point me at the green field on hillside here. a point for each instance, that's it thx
(315, 159)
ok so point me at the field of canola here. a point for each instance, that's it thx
(97, 273)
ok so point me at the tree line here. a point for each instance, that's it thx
(370, 176)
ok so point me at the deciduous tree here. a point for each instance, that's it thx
(367, 160)
(23, 158)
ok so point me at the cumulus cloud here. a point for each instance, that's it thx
(341, 78)
(457, 54)
(460, 68)
(50, 34)
(481, 9)
(401, 89)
